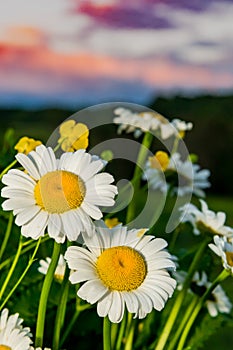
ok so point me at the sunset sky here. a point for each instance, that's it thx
(67, 53)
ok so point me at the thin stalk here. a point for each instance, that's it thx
(114, 332)
(146, 143)
(7, 235)
(31, 260)
(180, 297)
(8, 168)
(184, 321)
(29, 245)
(72, 322)
(44, 295)
(59, 321)
(175, 144)
(130, 336)
(121, 332)
(106, 334)
(8, 277)
(221, 277)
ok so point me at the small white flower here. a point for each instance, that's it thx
(60, 269)
(61, 195)
(121, 269)
(224, 249)
(219, 302)
(190, 178)
(138, 123)
(181, 125)
(154, 171)
(13, 335)
(155, 178)
(205, 219)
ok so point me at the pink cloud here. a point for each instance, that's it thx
(34, 66)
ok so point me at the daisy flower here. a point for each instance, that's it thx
(205, 220)
(217, 301)
(182, 126)
(60, 269)
(138, 123)
(154, 171)
(61, 195)
(12, 334)
(224, 249)
(121, 269)
(191, 178)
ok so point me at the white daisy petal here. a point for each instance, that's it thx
(92, 291)
(116, 311)
(104, 305)
(28, 164)
(16, 203)
(26, 215)
(36, 227)
(18, 179)
(92, 210)
(54, 225)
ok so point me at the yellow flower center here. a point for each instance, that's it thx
(229, 256)
(159, 161)
(121, 268)
(59, 191)
(4, 347)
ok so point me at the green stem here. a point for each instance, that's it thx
(180, 297)
(142, 155)
(106, 334)
(72, 322)
(175, 235)
(184, 321)
(29, 245)
(59, 321)
(221, 277)
(7, 235)
(121, 332)
(175, 145)
(7, 168)
(130, 336)
(114, 332)
(8, 277)
(31, 260)
(44, 295)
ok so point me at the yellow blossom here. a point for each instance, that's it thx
(73, 136)
(159, 161)
(26, 145)
(111, 222)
